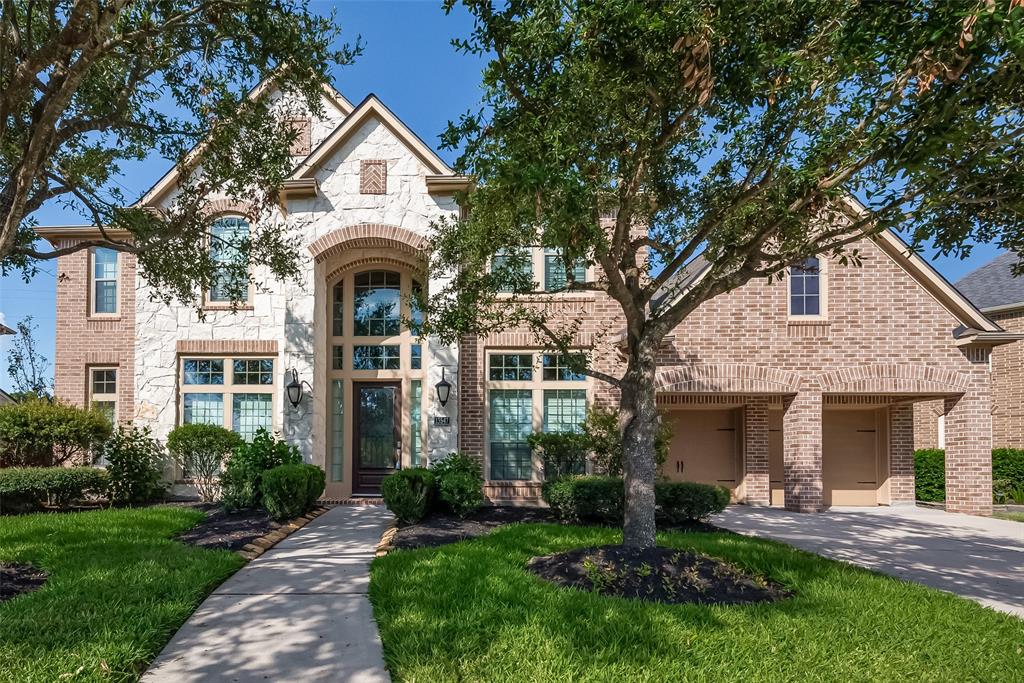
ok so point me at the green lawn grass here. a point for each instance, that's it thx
(118, 589)
(470, 612)
(1012, 516)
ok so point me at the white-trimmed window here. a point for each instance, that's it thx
(103, 291)
(103, 391)
(554, 271)
(235, 393)
(807, 296)
(528, 392)
(535, 262)
(512, 260)
(227, 236)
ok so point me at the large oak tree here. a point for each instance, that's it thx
(732, 128)
(86, 85)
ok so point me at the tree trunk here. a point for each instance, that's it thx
(640, 416)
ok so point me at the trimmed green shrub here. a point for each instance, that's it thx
(604, 440)
(315, 486)
(686, 501)
(200, 450)
(1008, 464)
(135, 464)
(243, 471)
(602, 499)
(285, 490)
(38, 433)
(930, 475)
(409, 493)
(468, 488)
(26, 489)
(461, 492)
(561, 453)
(592, 498)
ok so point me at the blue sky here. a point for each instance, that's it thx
(407, 62)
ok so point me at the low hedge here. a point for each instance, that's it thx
(409, 493)
(602, 499)
(930, 472)
(27, 489)
(288, 490)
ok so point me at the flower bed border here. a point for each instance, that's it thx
(250, 551)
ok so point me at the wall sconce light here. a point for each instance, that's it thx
(294, 389)
(444, 390)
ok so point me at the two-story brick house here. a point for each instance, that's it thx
(798, 393)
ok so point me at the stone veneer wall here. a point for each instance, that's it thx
(84, 341)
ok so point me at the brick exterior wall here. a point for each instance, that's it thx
(84, 341)
(1008, 385)
(901, 454)
(755, 435)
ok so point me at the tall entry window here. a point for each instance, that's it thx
(378, 301)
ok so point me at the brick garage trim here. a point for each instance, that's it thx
(227, 346)
(368, 236)
(894, 378)
(727, 378)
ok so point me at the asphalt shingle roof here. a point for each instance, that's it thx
(680, 281)
(993, 284)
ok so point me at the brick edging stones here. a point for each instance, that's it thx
(250, 551)
(298, 611)
(387, 540)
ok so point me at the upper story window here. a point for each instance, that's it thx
(377, 306)
(554, 271)
(104, 281)
(226, 236)
(512, 260)
(805, 291)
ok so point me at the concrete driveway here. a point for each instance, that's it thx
(299, 612)
(975, 557)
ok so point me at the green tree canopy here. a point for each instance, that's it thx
(86, 85)
(732, 128)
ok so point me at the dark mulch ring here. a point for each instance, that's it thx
(227, 530)
(16, 579)
(441, 529)
(665, 575)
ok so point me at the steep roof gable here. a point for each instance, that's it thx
(993, 286)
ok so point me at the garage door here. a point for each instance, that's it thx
(704, 447)
(850, 456)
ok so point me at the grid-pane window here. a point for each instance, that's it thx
(338, 357)
(377, 304)
(564, 409)
(805, 288)
(228, 237)
(204, 371)
(203, 409)
(337, 430)
(104, 280)
(377, 357)
(416, 419)
(510, 422)
(103, 391)
(511, 264)
(338, 311)
(511, 367)
(415, 312)
(416, 357)
(250, 412)
(557, 368)
(259, 371)
(554, 271)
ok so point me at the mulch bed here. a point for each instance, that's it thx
(229, 531)
(666, 575)
(441, 529)
(16, 579)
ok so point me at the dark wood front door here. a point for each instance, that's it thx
(377, 433)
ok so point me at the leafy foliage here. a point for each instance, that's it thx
(601, 499)
(240, 481)
(930, 474)
(40, 433)
(562, 453)
(680, 502)
(409, 493)
(26, 489)
(135, 465)
(465, 493)
(604, 435)
(199, 450)
(26, 366)
(84, 89)
(286, 489)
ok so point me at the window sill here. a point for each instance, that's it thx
(227, 307)
(808, 320)
(104, 317)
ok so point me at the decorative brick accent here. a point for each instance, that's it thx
(901, 454)
(755, 451)
(83, 342)
(894, 378)
(368, 236)
(727, 378)
(373, 176)
(300, 146)
(218, 207)
(227, 346)
(801, 452)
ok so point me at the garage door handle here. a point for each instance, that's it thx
(867, 431)
(680, 465)
(726, 429)
(867, 482)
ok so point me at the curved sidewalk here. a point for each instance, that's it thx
(299, 612)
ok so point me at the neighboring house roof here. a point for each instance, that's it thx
(993, 286)
(6, 330)
(5, 398)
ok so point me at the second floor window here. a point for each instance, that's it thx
(104, 281)
(517, 266)
(226, 237)
(805, 288)
(554, 271)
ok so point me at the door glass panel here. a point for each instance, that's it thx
(377, 426)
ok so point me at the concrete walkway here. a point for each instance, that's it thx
(299, 612)
(976, 557)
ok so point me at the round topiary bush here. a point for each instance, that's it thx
(409, 493)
